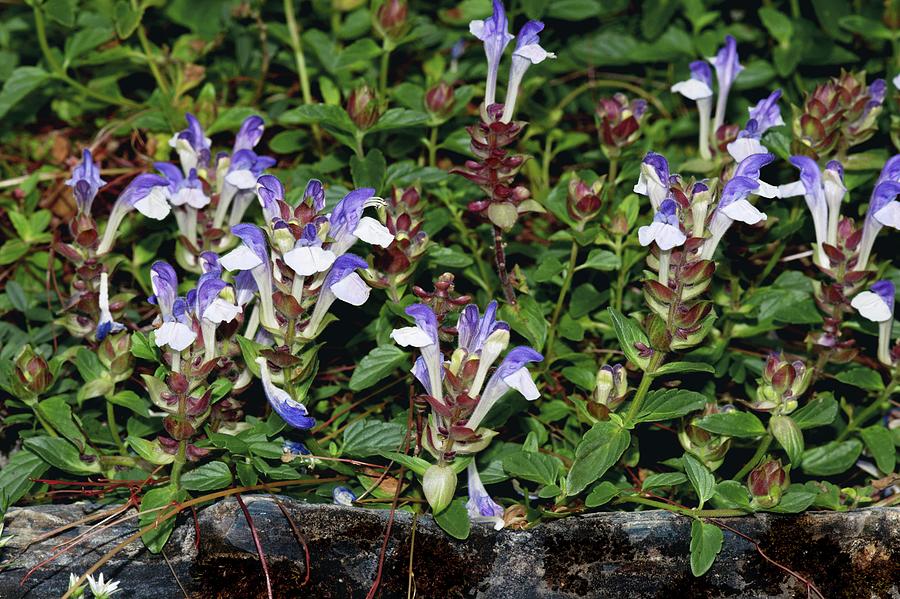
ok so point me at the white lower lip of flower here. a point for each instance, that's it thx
(745, 146)
(242, 179)
(155, 204)
(744, 211)
(351, 289)
(240, 258)
(373, 232)
(411, 336)
(220, 311)
(192, 196)
(175, 335)
(872, 307)
(309, 260)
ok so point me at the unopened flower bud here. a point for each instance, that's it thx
(390, 19)
(583, 201)
(767, 482)
(439, 485)
(115, 353)
(620, 122)
(32, 371)
(439, 99)
(612, 386)
(707, 447)
(363, 107)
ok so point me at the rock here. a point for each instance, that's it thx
(643, 554)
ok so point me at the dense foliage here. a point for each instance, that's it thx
(617, 258)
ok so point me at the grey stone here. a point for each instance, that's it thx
(643, 554)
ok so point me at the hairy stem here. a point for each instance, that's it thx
(300, 60)
(500, 256)
(114, 427)
(644, 386)
(561, 300)
(761, 450)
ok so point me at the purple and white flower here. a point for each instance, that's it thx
(511, 374)
(249, 134)
(253, 255)
(699, 88)
(765, 115)
(665, 231)
(494, 32)
(733, 204)
(343, 496)
(429, 367)
(176, 332)
(347, 224)
(343, 283)
(85, 182)
(727, 69)
(212, 309)
(823, 191)
(884, 209)
(528, 52)
(192, 145)
(653, 181)
(480, 506)
(105, 323)
(147, 194)
(291, 411)
(877, 305)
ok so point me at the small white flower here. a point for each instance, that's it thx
(101, 589)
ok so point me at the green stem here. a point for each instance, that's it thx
(386, 48)
(178, 465)
(751, 464)
(43, 421)
(561, 300)
(60, 73)
(113, 427)
(611, 177)
(873, 408)
(686, 511)
(432, 147)
(644, 386)
(620, 275)
(145, 45)
(300, 60)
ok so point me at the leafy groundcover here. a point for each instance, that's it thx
(500, 264)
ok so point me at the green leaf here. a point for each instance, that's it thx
(656, 15)
(455, 520)
(142, 348)
(880, 444)
(132, 401)
(864, 378)
(682, 367)
(368, 171)
(831, 458)
(60, 453)
(706, 542)
(12, 249)
(126, 18)
(527, 319)
(150, 451)
(154, 505)
(584, 378)
(778, 24)
(22, 82)
(322, 114)
(61, 11)
(59, 414)
(376, 365)
(602, 260)
(600, 448)
(663, 479)
(628, 333)
(88, 365)
(399, 118)
(208, 477)
(536, 467)
(585, 299)
(733, 424)
(794, 502)
(732, 494)
(819, 412)
(16, 474)
(230, 119)
(701, 478)
(665, 404)
(369, 437)
(17, 296)
(601, 494)
(788, 435)
(417, 465)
